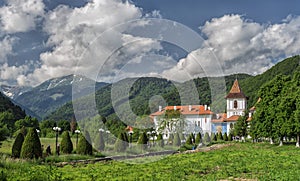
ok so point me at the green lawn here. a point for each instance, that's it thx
(240, 161)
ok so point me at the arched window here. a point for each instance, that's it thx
(235, 104)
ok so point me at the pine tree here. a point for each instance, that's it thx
(213, 137)
(206, 138)
(31, 147)
(120, 145)
(177, 141)
(66, 145)
(190, 140)
(225, 137)
(198, 139)
(219, 136)
(84, 146)
(171, 139)
(160, 141)
(17, 146)
(142, 141)
(230, 137)
(99, 142)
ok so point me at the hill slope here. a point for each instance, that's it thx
(50, 95)
(144, 96)
(251, 85)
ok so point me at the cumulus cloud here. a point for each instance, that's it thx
(73, 35)
(20, 15)
(6, 49)
(239, 45)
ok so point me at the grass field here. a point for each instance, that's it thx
(241, 161)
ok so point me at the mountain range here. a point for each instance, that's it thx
(52, 99)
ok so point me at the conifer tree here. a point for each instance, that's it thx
(206, 138)
(31, 147)
(99, 142)
(160, 141)
(143, 140)
(176, 141)
(17, 146)
(219, 136)
(213, 137)
(225, 137)
(120, 145)
(230, 137)
(84, 145)
(66, 145)
(198, 139)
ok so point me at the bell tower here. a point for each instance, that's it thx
(236, 101)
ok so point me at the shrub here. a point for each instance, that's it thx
(160, 140)
(120, 145)
(99, 142)
(31, 147)
(66, 144)
(213, 137)
(171, 138)
(84, 147)
(142, 141)
(225, 137)
(206, 138)
(190, 140)
(230, 137)
(219, 136)
(198, 139)
(177, 141)
(17, 146)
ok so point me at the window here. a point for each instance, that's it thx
(235, 104)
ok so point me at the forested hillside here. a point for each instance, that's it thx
(9, 114)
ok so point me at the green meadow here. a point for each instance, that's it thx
(248, 161)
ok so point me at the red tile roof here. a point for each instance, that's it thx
(184, 110)
(236, 91)
(232, 118)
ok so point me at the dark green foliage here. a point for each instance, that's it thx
(213, 137)
(198, 139)
(27, 122)
(64, 125)
(190, 140)
(31, 147)
(17, 146)
(84, 146)
(176, 141)
(143, 140)
(170, 139)
(7, 106)
(240, 127)
(160, 141)
(230, 137)
(120, 144)
(23, 130)
(225, 137)
(219, 136)
(66, 144)
(99, 142)
(206, 138)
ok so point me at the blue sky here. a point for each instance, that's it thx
(42, 39)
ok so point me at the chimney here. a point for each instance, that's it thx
(159, 108)
(208, 108)
(205, 107)
(190, 107)
(250, 114)
(174, 108)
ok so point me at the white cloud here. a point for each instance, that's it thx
(6, 49)
(20, 15)
(12, 73)
(239, 45)
(74, 31)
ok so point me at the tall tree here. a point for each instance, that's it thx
(66, 143)
(31, 147)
